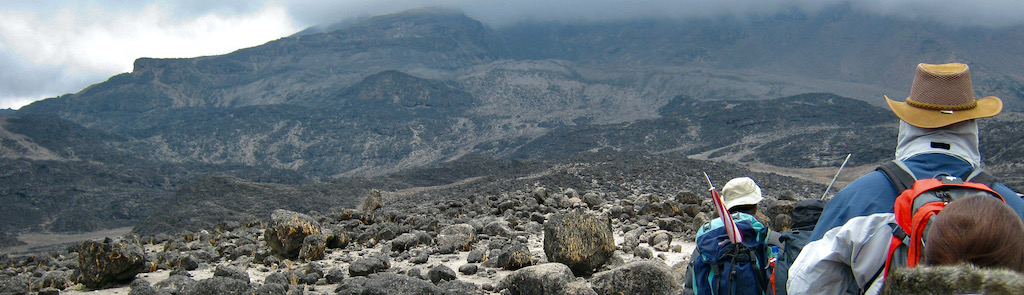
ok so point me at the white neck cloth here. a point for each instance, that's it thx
(960, 138)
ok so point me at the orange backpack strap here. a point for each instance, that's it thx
(920, 223)
(898, 238)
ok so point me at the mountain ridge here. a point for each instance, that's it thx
(401, 92)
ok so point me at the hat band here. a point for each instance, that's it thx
(942, 107)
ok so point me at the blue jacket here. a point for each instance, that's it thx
(873, 193)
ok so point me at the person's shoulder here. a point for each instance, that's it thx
(874, 183)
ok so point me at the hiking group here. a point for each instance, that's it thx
(931, 221)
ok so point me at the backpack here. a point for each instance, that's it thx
(919, 201)
(722, 267)
(805, 216)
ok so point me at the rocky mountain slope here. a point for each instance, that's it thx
(326, 116)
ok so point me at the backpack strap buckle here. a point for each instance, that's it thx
(897, 231)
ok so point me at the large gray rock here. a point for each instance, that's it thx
(221, 285)
(579, 239)
(314, 247)
(176, 284)
(388, 283)
(372, 201)
(288, 230)
(368, 265)
(176, 260)
(441, 273)
(643, 277)
(547, 278)
(457, 237)
(231, 272)
(53, 279)
(13, 285)
(515, 256)
(109, 262)
(660, 240)
(404, 242)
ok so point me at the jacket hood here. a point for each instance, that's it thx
(953, 279)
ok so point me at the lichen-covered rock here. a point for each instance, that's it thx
(336, 238)
(288, 230)
(106, 262)
(314, 247)
(547, 278)
(457, 237)
(176, 260)
(515, 256)
(643, 277)
(372, 201)
(579, 239)
(53, 279)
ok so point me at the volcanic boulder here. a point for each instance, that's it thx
(288, 230)
(643, 277)
(314, 247)
(109, 261)
(547, 278)
(579, 239)
(458, 237)
(514, 256)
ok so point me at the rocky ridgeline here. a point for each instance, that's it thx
(523, 242)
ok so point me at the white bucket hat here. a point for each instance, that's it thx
(740, 191)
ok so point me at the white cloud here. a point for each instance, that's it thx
(79, 41)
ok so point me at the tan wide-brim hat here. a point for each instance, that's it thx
(740, 191)
(943, 95)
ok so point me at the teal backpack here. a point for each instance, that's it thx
(722, 267)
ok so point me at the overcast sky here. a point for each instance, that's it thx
(49, 48)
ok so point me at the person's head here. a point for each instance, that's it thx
(940, 114)
(942, 95)
(741, 195)
(981, 230)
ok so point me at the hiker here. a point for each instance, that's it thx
(969, 248)
(853, 257)
(710, 271)
(957, 235)
(938, 135)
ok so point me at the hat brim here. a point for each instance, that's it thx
(749, 199)
(926, 118)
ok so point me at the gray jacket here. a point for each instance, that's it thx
(848, 257)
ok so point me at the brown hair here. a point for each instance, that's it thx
(980, 230)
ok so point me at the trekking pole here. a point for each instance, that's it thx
(834, 177)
